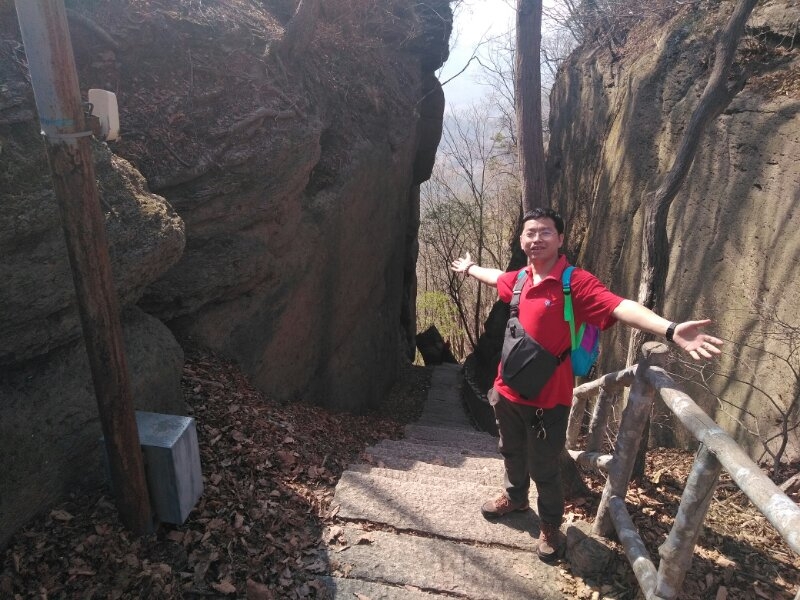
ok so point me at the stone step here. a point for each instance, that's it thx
(473, 440)
(447, 385)
(403, 448)
(446, 511)
(440, 476)
(459, 424)
(447, 381)
(432, 480)
(446, 373)
(454, 424)
(491, 472)
(442, 566)
(440, 456)
(444, 410)
(450, 414)
(339, 588)
(443, 397)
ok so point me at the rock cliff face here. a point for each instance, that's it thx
(286, 151)
(294, 167)
(734, 227)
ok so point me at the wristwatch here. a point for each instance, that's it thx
(670, 332)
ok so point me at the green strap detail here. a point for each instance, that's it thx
(569, 314)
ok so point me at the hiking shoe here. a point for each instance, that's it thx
(500, 506)
(551, 542)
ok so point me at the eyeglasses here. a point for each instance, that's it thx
(544, 234)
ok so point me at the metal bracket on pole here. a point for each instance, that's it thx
(67, 136)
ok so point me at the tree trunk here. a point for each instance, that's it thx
(716, 96)
(528, 104)
(300, 29)
(479, 292)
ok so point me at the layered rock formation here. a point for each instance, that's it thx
(284, 232)
(294, 167)
(616, 122)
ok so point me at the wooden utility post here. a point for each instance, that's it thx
(528, 104)
(45, 35)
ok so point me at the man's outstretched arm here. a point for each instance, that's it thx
(687, 335)
(467, 266)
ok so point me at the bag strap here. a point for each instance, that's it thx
(569, 314)
(514, 304)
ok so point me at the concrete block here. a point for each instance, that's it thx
(172, 464)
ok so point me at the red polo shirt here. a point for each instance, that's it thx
(541, 312)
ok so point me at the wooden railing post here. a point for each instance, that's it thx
(634, 547)
(629, 436)
(598, 426)
(677, 551)
(575, 421)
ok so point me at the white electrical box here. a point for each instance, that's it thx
(104, 107)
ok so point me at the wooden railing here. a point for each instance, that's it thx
(717, 451)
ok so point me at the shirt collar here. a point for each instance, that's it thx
(555, 272)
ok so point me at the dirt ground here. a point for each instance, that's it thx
(270, 472)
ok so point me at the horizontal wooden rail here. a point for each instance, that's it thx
(615, 380)
(718, 450)
(592, 460)
(776, 506)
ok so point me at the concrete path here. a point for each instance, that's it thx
(410, 522)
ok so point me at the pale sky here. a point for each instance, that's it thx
(476, 20)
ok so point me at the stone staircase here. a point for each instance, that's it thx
(410, 521)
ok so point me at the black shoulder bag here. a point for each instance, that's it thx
(524, 365)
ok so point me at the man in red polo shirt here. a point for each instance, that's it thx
(533, 430)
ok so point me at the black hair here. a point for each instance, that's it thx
(544, 213)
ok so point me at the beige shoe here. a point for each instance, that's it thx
(551, 542)
(501, 506)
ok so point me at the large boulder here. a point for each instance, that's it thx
(290, 173)
(295, 167)
(49, 422)
(38, 310)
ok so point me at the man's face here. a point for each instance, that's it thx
(540, 239)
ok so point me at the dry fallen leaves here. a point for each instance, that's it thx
(269, 470)
(265, 525)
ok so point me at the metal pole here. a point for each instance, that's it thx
(45, 35)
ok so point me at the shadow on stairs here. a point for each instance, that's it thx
(409, 521)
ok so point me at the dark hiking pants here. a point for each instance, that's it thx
(528, 453)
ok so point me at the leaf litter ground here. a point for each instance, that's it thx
(270, 471)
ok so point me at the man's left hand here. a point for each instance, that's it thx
(688, 335)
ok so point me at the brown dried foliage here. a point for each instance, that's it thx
(739, 555)
(270, 471)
